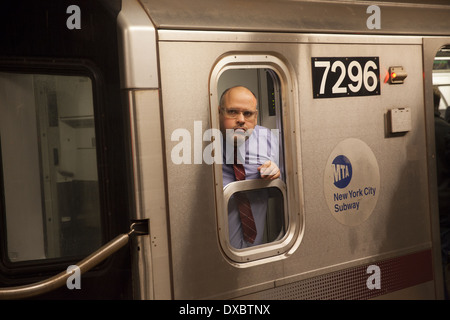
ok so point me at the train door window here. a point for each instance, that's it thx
(275, 217)
(48, 167)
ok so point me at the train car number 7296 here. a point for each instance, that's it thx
(344, 77)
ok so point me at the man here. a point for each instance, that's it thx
(255, 150)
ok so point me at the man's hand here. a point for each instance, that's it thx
(269, 170)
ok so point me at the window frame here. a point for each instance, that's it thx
(56, 67)
(292, 198)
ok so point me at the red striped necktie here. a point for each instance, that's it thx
(245, 211)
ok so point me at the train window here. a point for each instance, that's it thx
(256, 219)
(48, 167)
(264, 200)
(441, 80)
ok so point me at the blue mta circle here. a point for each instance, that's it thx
(342, 171)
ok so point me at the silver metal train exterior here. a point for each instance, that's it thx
(115, 105)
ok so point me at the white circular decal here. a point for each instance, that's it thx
(351, 182)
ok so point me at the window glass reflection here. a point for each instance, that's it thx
(49, 166)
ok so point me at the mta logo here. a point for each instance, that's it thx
(342, 171)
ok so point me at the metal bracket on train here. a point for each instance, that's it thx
(139, 227)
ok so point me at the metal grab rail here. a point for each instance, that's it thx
(57, 281)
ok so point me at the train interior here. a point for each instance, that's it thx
(49, 158)
(441, 79)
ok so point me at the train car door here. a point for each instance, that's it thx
(63, 147)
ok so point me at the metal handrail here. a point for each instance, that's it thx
(59, 280)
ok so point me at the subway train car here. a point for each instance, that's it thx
(111, 160)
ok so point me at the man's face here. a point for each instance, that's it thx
(238, 114)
